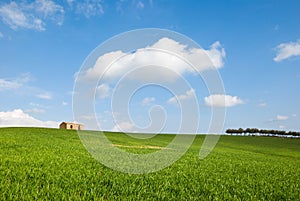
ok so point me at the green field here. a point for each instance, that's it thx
(51, 164)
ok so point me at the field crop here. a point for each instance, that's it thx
(52, 164)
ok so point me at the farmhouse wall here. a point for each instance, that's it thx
(71, 126)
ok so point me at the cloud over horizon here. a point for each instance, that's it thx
(19, 118)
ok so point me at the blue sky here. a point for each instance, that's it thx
(43, 44)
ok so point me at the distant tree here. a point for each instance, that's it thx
(240, 130)
(261, 131)
(247, 130)
(230, 131)
(293, 133)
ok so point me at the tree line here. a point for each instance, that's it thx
(255, 131)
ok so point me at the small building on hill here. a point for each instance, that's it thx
(71, 126)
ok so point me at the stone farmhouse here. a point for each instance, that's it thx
(71, 126)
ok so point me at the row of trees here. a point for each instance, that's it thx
(253, 131)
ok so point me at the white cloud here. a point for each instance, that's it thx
(103, 91)
(88, 8)
(35, 111)
(13, 15)
(20, 86)
(188, 95)
(166, 52)
(216, 54)
(44, 95)
(19, 118)
(37, 105)
(287, 50)
(34, 104)
(51, 10)
(294, 115)
(8, 84)
(221, 100)
(281, 117)
(278, 118)
(64, 103)
(31, 15)
(148, 100)
(15, 83)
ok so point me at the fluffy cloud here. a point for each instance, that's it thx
(167, 53)
(220, 100)
(281, 117)
(188, 95)
(18, 118)
(103, 91)
(287, 50)
(31, 15)
(148, 100)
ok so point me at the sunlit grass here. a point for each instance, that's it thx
(52, 164)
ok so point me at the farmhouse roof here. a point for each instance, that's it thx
(64, 122)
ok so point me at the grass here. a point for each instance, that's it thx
(52, 164)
